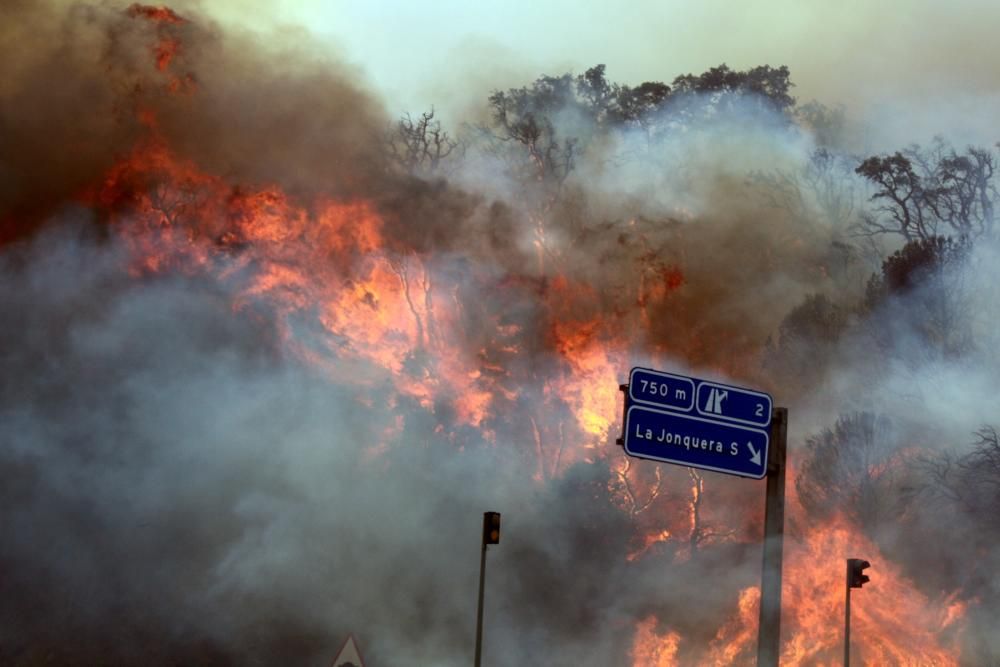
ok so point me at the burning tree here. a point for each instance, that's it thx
(851, 469)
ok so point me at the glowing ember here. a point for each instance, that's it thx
(169, 45)
(158, 14)
(648, 541)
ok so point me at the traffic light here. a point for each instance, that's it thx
(855, 567)
(491, 528)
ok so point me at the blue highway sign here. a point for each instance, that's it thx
(697, 423)
(663, 389)
(743, 406)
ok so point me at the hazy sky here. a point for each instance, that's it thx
(920, 63)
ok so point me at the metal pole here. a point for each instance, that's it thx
(479, 613)
(769, 626)
(847, 619)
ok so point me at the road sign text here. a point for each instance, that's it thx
(697, 423)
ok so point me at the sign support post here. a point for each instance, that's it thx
(769, 628)
(479, 612)
(491, 535)
(847, 621)
(855, 579)
(713, 426)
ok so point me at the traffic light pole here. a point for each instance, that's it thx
(769, 626)
(856, 578)
(847, 619)
(479, 614)
(490, 535)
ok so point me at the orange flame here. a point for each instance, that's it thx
(158, 14)
(892, 623)
(652, 649)
(168, 46)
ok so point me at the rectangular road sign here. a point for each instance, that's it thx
(695, 441)
(743, 406)
(697, 423)
(663, 389)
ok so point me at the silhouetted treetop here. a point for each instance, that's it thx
(919, 261)
(922, 193)
(527, 112)
(771, 84)
(922, 297)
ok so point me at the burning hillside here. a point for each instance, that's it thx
(269, 353)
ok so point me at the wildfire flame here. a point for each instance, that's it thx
(340, 291)
(892, 623)
(653, 649)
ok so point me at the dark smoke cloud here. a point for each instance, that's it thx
(58, 125)
(77, 73)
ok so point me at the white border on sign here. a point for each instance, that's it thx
(769, 410)
(694, 389)
(728, 471)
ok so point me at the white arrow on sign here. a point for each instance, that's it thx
(754, 455)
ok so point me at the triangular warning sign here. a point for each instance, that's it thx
(349, 655)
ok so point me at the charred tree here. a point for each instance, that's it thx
(420, 146)
(851, 468)
(918, 304)
(924, 193)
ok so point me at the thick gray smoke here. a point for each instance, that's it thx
(175, 490)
